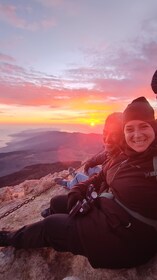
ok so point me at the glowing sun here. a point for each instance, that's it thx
(92, 124)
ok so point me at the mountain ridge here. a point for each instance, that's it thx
(50, 139)
(35, 171)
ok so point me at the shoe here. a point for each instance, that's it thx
(61, 182)
(4, 238)
(45, 213)
(57, 179)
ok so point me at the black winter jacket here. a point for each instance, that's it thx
(97, 159)
(110, 236)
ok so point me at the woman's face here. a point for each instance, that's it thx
(138, 135)
(112, 136)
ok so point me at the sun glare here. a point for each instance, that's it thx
(92, 124)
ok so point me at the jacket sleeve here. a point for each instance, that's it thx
(81, 188)
(95, 160)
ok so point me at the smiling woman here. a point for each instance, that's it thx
(139, 135)
(139, 129)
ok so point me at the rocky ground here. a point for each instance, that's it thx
(46, 263)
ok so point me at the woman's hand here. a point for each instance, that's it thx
(73, 197)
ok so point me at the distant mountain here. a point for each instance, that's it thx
(52, 140)
(47, 147)
(35, 172)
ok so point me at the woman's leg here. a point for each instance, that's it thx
(79, 177)
(58, 231)
(58, 204)
(94, 170)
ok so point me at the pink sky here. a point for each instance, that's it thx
(69, 64)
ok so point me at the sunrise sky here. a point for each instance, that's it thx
(70, 63)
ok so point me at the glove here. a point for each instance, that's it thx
(73, 197)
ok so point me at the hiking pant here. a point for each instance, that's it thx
(81, 177)
(57, 231)
(105, 245)
(58, 204)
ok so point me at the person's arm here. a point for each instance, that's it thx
(78, 192)
(95, 160)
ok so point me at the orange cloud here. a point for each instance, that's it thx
(82, 95)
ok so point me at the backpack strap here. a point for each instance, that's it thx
(154, 172)
(155, 165)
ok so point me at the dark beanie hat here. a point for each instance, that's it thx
(138, 109)
(154, 82)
